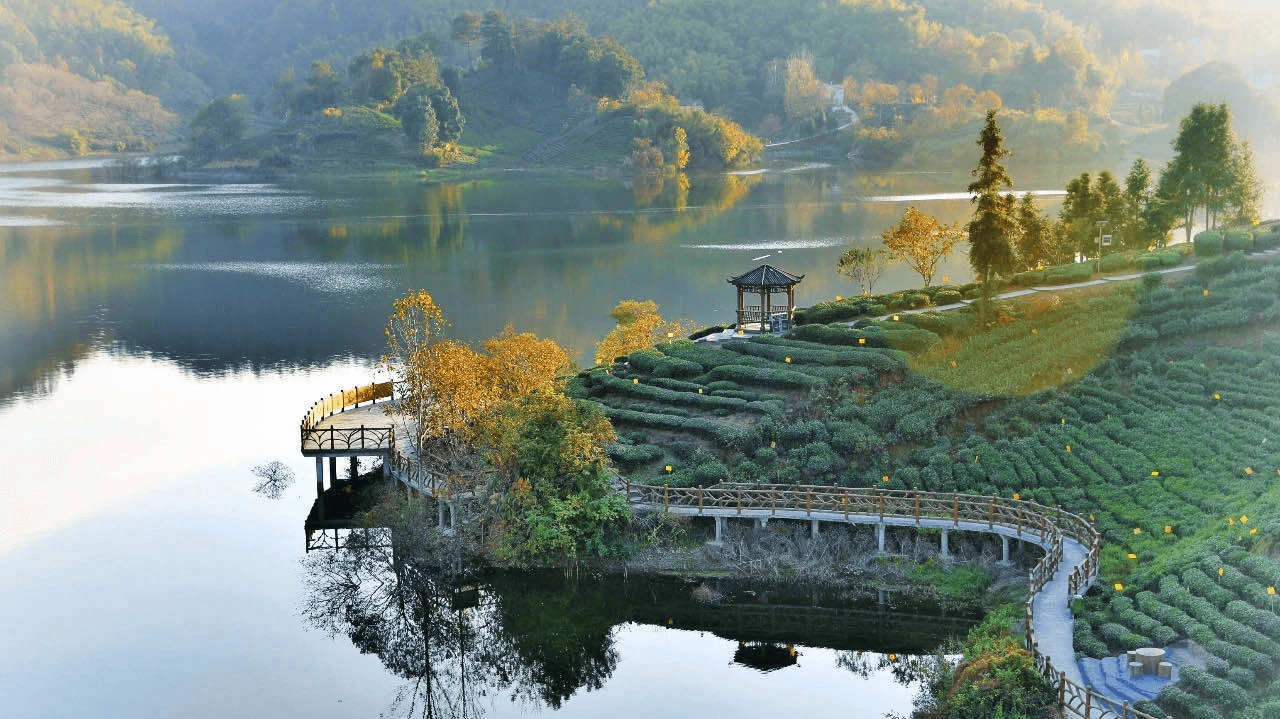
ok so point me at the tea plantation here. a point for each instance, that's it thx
(1151, 406)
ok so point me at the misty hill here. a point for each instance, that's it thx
(86, 74)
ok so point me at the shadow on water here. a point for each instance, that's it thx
(461, 636)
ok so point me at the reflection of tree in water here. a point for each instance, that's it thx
(908, 670)
(456, 638)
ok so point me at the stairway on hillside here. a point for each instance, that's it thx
(1110, 676)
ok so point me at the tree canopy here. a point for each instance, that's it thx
(993, 225)
(1210, 170)
(921, 241)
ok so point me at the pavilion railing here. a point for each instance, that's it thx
(1049, 524)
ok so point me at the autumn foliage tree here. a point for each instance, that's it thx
(921, 241)
(448, 391)
(639, 326)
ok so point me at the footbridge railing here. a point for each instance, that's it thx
(1049, 525)
(317, 439)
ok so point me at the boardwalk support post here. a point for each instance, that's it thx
(1004, 549)
(880, 537)
(945, 554)
(719, 531)
(813, 529)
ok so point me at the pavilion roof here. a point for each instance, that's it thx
(765, 276)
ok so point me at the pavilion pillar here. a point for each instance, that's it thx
(791, 303)
(740, 306)
(764, 309)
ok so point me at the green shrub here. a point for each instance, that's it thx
(1186, 704)
(1115, 262)
(1237, 241)
(1208, 243)
(948, 296)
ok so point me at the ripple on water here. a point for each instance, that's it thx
(326, 277)
(797, 243)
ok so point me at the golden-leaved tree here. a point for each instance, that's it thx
(921, 241)
(448, 391)
(496, 421)
(639, 326)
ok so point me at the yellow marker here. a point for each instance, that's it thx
(787, 360)
(1248, 470)
(1132, 555)
(1068, 448)
(862, 340)
(1119, 587)
(895, 318)
(668, 469)
(1155, 473)
(1017, 496)
(838, 298)
(1033, 330)
(699, 390)
(1168, 529)
(946, 278)
(1206, 293)
(1253, 531)
(773, 444)
(884, 479)
(1231, 520)
(1064, 420)
(893, 657)
(953, 363)
(1244, 519)
(1137, 530)
(1090, 517)
(1217, 396)
(1221, 571)
(1271, 591)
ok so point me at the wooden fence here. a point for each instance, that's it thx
(317, 440)
(339, 401)
(1049, 524)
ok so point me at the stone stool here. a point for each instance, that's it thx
(1135, 669)
(1164, 670)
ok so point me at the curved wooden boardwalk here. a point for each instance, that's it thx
(339, 426)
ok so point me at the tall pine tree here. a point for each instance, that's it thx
(994, 222)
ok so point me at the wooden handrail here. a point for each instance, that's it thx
(341, 400)
(1051, 524)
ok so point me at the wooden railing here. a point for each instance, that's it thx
(347, 439)
(340, 401)
(1049, 524)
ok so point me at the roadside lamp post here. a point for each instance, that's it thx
(1097, 261)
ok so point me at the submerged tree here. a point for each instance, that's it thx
(921, 241)
(993, 225)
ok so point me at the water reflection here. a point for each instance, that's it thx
(224, 277)
(470, 641)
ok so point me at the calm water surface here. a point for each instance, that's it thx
(158, 340)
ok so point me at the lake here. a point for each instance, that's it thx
(159, 340)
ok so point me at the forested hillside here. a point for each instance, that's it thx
(86, 74)
(1074, 77)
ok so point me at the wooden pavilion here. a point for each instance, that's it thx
(766, 281)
